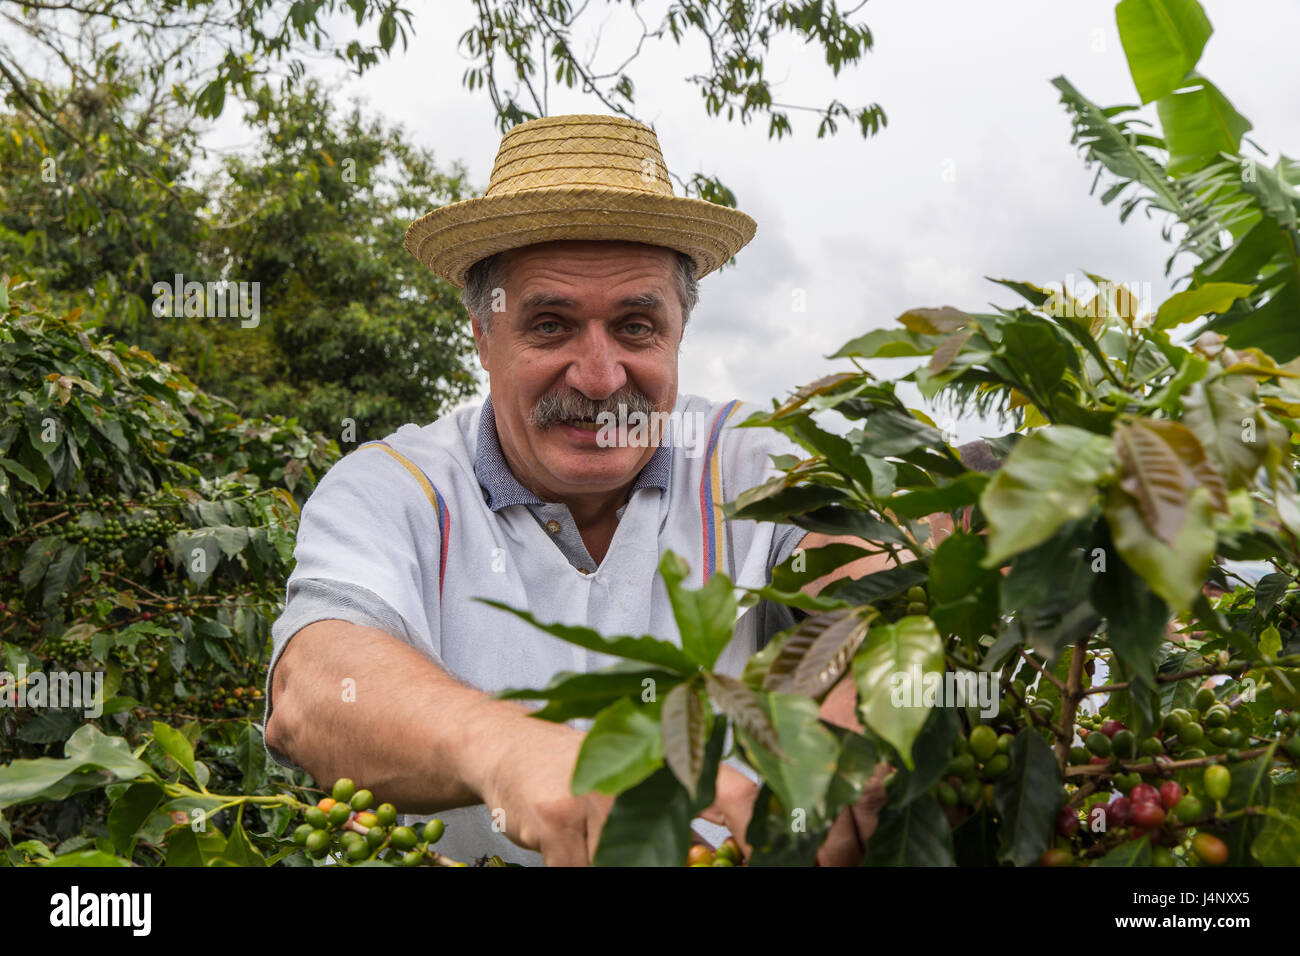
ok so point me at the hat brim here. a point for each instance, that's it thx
(452, 238)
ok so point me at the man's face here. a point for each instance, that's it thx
(586, 325)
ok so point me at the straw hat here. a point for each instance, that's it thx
(580, 176)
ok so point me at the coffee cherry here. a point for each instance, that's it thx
(915, 608)
(413, 858)
(1191, 734)
(1171, 723)
(983, 742)
(1118, 813)
(375, 836)
(1162, 857)
(1079, 755)
(722, 861)
(367, 820)
(917, 595)
(1111, 727)
(1217, 780)
(729, 850)
(1217, 715)
(318, 843)
(338, 814)
(1220, 736)
(699, 854)
(362, 799)
(403, 838)
(1098, 744)
(1148, 814)
(1188, 809)
(301, 834)
(1205, 698)
(997, 766)
(1170, 794)
(1151, 747)
(326, 804)
(946, 793)
(1056, 856)
(343, 790)
(1292, 747)
(970, 792)
(316, 818)
(1123, 744)
(433, 831)
(1210, 849)
(961, 766)
(358, 851)
(387, 814)
(1144, 793)
(1004, 743)
(1067, 822)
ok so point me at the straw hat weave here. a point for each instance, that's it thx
(580, 176)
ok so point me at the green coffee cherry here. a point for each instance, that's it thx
(1123, 744)
(970, 792)
(961, 766)
(1218, 781)
(414, 858)
(946, 793)
(1151, 747)
(343, 790)
(433, 831)
(403, 838)
(1191, 734)
(301, 833)
(315, 818)
(1079, 756)
(1205, 699)
(318, 843)
(1098, 744)
(997, 766)
(1217, 715)
(1004, 743)
(338, 814)
(983, 742)
(361, 800)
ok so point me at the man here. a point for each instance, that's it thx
(578, 268)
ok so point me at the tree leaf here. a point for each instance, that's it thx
(935, 321)
(1128, 853)
(643, 648)
(1153, 475)
(175, 745)
(1211, 297)
(1162, 39)
(706, 618)
(890, 662)
(129, 812)
(1175, 573)
(742, 705)
(1028, 797)
(800, 772)
(622, 748)
(1049, 478)
(685, 734)
(648, 825)
(916, 834)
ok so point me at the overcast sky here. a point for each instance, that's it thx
(974, 175)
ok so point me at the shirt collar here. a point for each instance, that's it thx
(503, 489)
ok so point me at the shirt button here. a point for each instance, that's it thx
(553, 526)
(583, 571)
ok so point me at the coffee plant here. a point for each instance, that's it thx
(1146, 693)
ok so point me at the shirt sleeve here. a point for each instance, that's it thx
(361, 556)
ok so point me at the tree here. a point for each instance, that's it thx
(349, 327)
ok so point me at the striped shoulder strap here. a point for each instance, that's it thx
(438, 502)
(711, 520)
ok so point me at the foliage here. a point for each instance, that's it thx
(1241, 218)
(148, 530)
(348, 327)
(1089, 590)
(515, 49)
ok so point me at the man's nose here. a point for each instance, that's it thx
(596, 368)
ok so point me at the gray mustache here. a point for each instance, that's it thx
(574, 406)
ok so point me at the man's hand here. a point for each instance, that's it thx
(527, 777)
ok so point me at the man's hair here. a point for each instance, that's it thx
(487, 275)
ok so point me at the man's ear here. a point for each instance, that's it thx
(480, 341)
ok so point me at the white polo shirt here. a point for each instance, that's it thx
(402, 534)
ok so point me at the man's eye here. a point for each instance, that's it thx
(547, 326)
(638, 328)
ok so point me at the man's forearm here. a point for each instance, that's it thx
(352, 701)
